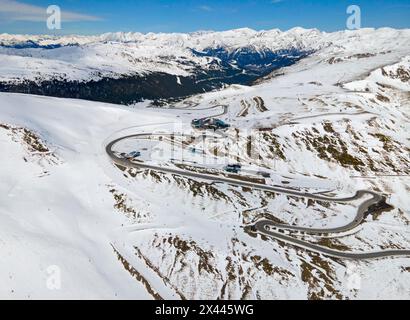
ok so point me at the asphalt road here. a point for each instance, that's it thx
(264, 227)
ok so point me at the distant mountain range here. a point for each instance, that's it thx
(129, 67)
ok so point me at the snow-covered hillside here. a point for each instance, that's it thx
(52, 214)
(334, 123)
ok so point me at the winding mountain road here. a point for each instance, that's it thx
(262, 227)
(265, 227)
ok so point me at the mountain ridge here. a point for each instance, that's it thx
(158, 66)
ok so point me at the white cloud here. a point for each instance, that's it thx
(11, 10)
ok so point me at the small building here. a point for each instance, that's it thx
(233, 168)
(209, 124)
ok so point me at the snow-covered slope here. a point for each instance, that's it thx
(52, 214)
(334, 123)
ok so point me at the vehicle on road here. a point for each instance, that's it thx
(264, 174)
(233, 168)
(132, 155)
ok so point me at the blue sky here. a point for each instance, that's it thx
(98, 16)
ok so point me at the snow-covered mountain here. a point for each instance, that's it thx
(232, 39)
(335, 122)
(129, 67)
(182, 64)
